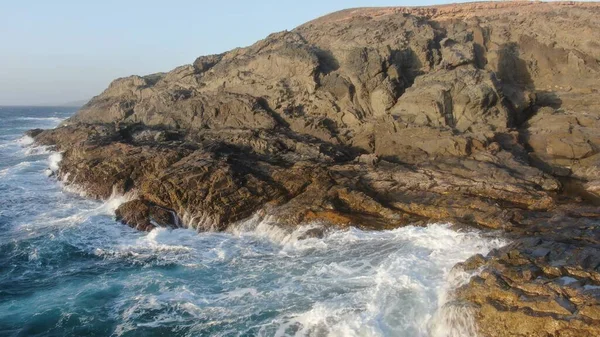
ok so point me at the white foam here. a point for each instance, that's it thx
(422, 274)
(33, 254)
(28, 148)
(54, 120)
(25, 141)
(388, 283)
(172, 306)
(115, 200)
(266, 228)
(54, 161)
(18, 167)
(160, 243)
(37, 150)
(453, 320)
(344, 283)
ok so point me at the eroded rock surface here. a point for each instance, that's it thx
(483, 114)
(545, 283)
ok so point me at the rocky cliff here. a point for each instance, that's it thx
(482, 114)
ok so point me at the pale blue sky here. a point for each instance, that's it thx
(59, 51)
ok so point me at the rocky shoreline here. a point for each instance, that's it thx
(484, 115)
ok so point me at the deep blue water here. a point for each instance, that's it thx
(68, 269)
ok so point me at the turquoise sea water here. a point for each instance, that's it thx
(67, 268)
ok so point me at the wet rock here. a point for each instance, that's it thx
(33, 132)
(145, 216)
(540, 285)
(380, 117)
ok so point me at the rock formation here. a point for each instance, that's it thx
(483, 114)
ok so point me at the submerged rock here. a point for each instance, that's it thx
(376, 118)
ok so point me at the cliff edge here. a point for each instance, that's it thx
(482, 114)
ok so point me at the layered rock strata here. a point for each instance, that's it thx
(483, 114)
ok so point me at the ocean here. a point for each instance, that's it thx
(67, 268)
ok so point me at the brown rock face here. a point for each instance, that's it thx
(145, 216)
(484, 114)
(546, 283)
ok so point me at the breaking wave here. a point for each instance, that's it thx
(71, 269)
(52, 120)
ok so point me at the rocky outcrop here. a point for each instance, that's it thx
(145, 216)
(482, 114)
(229, 175)
(545, 283)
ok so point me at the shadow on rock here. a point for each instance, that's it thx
(518, 86)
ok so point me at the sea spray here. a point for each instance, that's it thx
(74, 270)
(453, 318)
(54, 161)
(267, 228)
(448, 318)
(25, 140)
